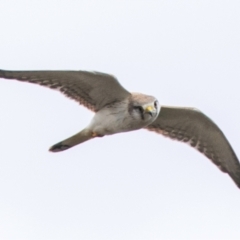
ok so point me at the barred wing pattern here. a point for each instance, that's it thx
(94, 90)
(193, 127)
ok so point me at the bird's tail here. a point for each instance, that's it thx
(76, 139)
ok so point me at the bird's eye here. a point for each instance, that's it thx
(139, 108)
(156, 104)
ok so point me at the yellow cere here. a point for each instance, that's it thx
(149, 108)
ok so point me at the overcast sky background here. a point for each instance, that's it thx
(137, 185)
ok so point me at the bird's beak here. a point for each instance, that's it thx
(149, 109)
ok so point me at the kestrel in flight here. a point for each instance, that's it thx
(118, 110)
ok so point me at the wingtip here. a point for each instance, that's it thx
(235, 176)
(2, 73)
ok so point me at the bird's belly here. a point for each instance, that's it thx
(104, 123)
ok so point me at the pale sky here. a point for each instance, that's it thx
(136, 185)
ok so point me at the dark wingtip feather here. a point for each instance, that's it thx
(235, 177)
(2, 73)
(6, 74)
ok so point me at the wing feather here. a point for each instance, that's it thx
(94, 90)
(193, 127)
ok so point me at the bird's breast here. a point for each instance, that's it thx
(113, 120)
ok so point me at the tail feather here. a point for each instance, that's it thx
(76, 139)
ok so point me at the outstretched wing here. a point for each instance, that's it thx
(192, 126)
(94, 90)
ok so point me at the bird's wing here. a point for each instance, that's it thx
(192, 126)
(94, 90)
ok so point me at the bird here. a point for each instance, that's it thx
(118, 110)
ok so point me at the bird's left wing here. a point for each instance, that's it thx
(94, 90)
(192, 126)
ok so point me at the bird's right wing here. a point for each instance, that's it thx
(192, 126)
(94, 90)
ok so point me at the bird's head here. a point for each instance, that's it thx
(144, 108)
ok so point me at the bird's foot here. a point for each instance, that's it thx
(94, 134)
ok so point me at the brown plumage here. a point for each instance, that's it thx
(87, 88)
